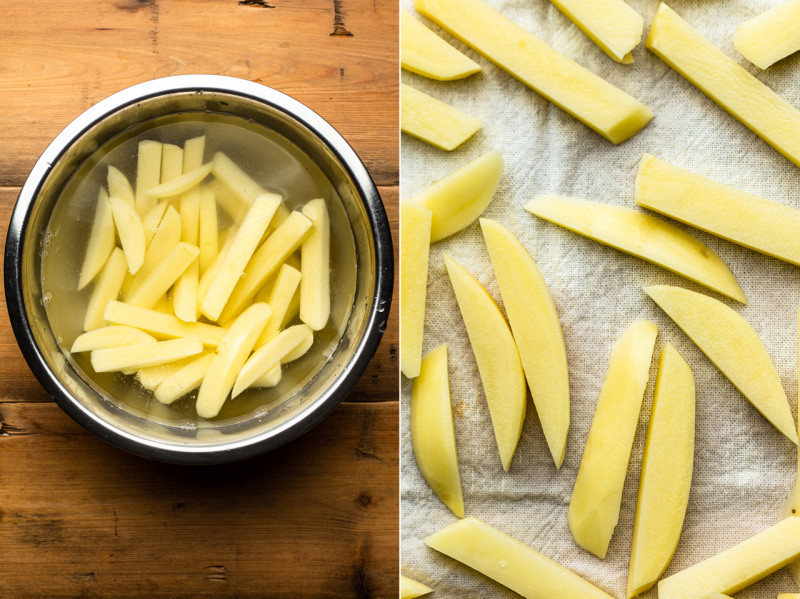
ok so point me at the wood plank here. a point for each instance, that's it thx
(379, 382)
(81, 518)
(57, 62)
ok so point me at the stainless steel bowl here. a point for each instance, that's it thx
(204, 442)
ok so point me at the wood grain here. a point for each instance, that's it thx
(316, 518)
(81, 518)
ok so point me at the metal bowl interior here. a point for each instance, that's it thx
(201, 441)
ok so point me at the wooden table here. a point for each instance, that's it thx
(316, 518)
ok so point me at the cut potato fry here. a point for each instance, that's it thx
(131, 233)
(231, 203)
(105, 289)
(102, 240)
(120, 187)
(184, 380)
(164, 241)
(415, 237)
(411, 589)
(737, 567)
(300, 350)
(511, 563)
(537, 333)
(151, 377)
(181, 183)
(733, 346)
(315, 267)
(722, 210)
(281, 294)
(208, 235)
(771, 36)
(229, 358)
(425, 53)
(211, 272)
(152, 221)
(666, 473)
(171, 162)
(241, 250)
(148, 174)
(726, 82)
(110, 336)
(432, 434)
(462, 196)
(597, 495)
(184, 294)
(269, 355)
(163, 276)
(271, 378)
(144, 354)
(611, 24)
(193, 151)
(497, 357)
(592, 100)
(642, 236)
(164, 325)
(433, 121)
(266, 260)
(236, 180)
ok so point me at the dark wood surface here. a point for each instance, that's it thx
(316, 518)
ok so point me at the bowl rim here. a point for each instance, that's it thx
(377, 314)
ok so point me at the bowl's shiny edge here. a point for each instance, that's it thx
(378, 313)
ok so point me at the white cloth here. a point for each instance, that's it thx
(744, 468)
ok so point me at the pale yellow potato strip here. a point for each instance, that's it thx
(235, 179)
(266, 260)
(151, 377)
(131, 233)
(726, 82)
(242, 249)
(511, 563)
(771, 36)
(164, 241)
(102, 240)
(110, 336)
(415, 236)
(211, 272)
(106, 288)
(184, 380)
(148, 174)
(269, 355)
(231, 203)
(208, 235)
(300, 350)
(411, 589)
(120, 187)
(738, 567)
(181, 183)
(315, 266)
(160, 324)
(163, 276)
(193, 151)
(280, 297)
(271, 378)
(145, 354)
(184, 293)
(611, 24)
(425, 53)
(152, 220)
(431, 120)
(229, 359)
(171, 162)
(592, 100)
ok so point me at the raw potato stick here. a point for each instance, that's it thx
(315, 267)
(181, 183)
(433, 121)
(771, 36)
(160, 324)
(131, 233)
(281, 294)
(229, 359)
(163, 276)
(171, 162)
(166, 238)
(151, 221)
(726, 82)
(592, 100)
(208, 233)
(415, 237)
(611, 24)
(102, 240)
(242, 249)
(267, 259)
(425, 53)
(148, 174)
(110, 336)
(146, 354)
(187, 379)
(105, 289)
(120, 187)
(511, 563)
